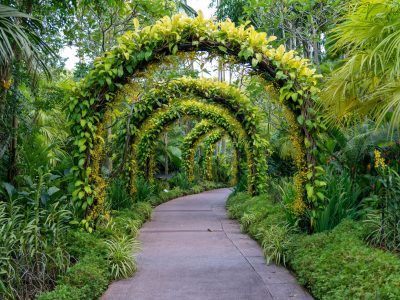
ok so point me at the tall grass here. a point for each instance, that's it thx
(33, 224)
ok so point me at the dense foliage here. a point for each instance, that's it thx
(85, 153)
(333, 265)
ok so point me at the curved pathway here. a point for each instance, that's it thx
(191, 250)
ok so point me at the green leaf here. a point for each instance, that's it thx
(300, 119)
(52, 190)
(223, 49)
(174, 49)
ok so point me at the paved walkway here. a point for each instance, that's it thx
(191, 250)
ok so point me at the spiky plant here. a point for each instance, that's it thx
(367, 82)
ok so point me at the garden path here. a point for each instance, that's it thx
(191, 250)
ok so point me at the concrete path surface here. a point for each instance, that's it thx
(191, 250)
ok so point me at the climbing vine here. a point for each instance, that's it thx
(190, 143)
(209, 148)
(201, 132)
(154, 126)
(96, 92)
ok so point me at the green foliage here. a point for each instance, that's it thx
(118, 195)
(137, 48)
(101, 256)
(144, 209)
(144, 190)
(62, 292)
(153, 126)
(382, 214)
(19, 38)
(122, 263)
(339, 265)
(191, 141)
(275, 242)
(89, 276)
(33, 223)
(343, 198)
(334, 264)
(180, 180)
(366, 83)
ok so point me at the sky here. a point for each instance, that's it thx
(70, 52)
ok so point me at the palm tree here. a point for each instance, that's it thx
(18, 40)
(368, 81)
(18, 43)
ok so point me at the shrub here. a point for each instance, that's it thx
(89, 276)
(33, 223)
(144, 209)
(343, 197)
(122, 263)
(143, 190)
(62, 292)
(275, 241)
(338, 265)
(180, 180)
(333, 264)
(118, 195)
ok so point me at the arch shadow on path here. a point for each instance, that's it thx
(191, 250)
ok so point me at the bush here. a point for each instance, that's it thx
(33, 224)
(335, 264)
(89, 276)
(339, 265)
(180, 180)
(118, 196)
(62, 292)
(144, 190)
(275, 242)
(101, 256)
(343, 197)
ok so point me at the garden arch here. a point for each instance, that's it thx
(209, 91)
(209, 145)
(143, 148)
(193, 139)
(290, 74)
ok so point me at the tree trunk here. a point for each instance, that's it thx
(109, 162)
(166, 154)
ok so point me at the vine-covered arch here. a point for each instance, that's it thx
(96, 92)
(209, 91)
(209, 147)
(200, 131)
(143, 148)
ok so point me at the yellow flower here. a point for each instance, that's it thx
(7, 84)
(379, 160)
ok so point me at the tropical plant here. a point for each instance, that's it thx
(343, 199)
(122, 263)
(33, 224)
(383, 214)
(18, 31)
(275, 241)
(118, 195)
(367, 82)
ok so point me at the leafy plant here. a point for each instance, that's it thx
(118, 195)
(120, 257)
(275, 242)
(33, 224)
(343, 198)
(144, 190)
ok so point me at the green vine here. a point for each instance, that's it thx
(289, 73)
